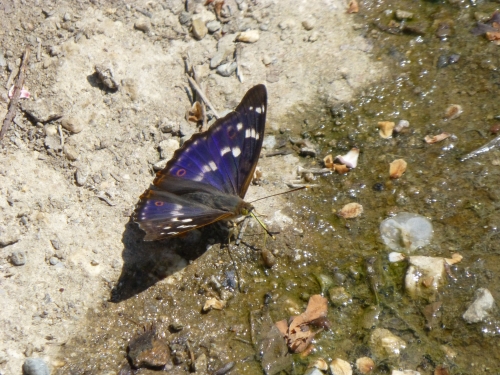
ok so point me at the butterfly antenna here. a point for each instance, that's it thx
(283, 192)
(262, 224)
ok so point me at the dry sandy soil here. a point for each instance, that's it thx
(64, 209)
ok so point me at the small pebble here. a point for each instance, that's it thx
(495, 129)
(35, 366)
(53, 261)
(453, 111)
(199, 28)
(402, 15)
(143, 25)
(309, 23)
(71, 152)
(81, 177)
(226, 70)
(250, 36)
(314, 37)
(185, 18)
(50, 129)
(217, 59)
(67, 17)
(105, 73)
(18, 258)
(94, 262)
(213, 26)
(268, 258)
(9, 235)
(72, 124)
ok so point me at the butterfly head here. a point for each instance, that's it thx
(244, 209)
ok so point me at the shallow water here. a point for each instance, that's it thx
(462, 199)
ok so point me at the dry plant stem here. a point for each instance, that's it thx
(17, 93)
(202, 95)
(239, 71)
(495, 142)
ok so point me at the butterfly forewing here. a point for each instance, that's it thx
(225, 156)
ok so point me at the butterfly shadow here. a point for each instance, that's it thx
(147, 262)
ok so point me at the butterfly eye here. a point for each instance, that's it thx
(244, 211)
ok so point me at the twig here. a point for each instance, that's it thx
(61, 135)
(202, 95)
(481, 150)
(239, 71)
(16, 94)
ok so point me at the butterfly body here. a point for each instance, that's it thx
(207, 178)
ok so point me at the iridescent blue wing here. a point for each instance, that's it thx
(225, 156)
(207, 177)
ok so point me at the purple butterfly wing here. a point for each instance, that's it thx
(218, 162)
(225, 156)
(162, 214)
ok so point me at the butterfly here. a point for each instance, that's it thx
(207, 178)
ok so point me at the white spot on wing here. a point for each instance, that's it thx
(167, 228)
(250, 108)
(236, 151)
(247, 133)
(212, 165)
(258, 110)
(252, 134)
(186, 226)
(257, 136)
(206, 168)
(186, 221)
(224, 151)
(239, 126)
(173, 233)
(198, 178)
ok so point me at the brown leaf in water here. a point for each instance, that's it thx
(436, 138)
(353, 7)
(397, 168)
(299, 333)
(340, 168)
(351, 210)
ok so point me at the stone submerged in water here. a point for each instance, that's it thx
(406, 231)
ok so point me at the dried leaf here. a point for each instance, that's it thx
(340, 168)
(436, 138)
(365, 365)
(386, 128)
(350, 159)
(328, 161)
(340, 367)
(453, 111)
(214, 303)
(397, 168)
(299, 333)
(493, 35)
(455, 258)
(195, 114)
(351, 210)
(353, 7)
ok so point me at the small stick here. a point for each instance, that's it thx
(239, 71)
(16, 94)
(481, 150)
(61, 135)
(202, 95)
